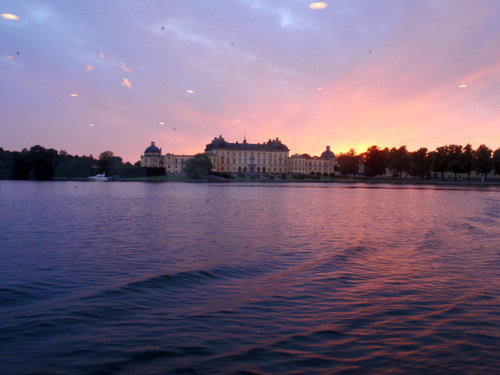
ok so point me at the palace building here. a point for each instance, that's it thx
(266, 157)
(271, 157)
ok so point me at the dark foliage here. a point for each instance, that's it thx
(496, 161)
(199, 166)
(155, 171)
(375, 161)
(483, 162)
(420, 163)
(39, 163)
(399, 161)
(348, 163)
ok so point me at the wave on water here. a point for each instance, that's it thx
(185, 279)
(47, 294)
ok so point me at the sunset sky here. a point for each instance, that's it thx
(90, 76)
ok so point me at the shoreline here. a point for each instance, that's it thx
(338, 180)
(350, 181)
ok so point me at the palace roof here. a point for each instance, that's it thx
(271, 145)
(152, 150)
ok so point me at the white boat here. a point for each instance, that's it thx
(101, 177)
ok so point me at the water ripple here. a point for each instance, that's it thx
(251, 279)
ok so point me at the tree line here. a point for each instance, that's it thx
(39, 163)
(422, 162)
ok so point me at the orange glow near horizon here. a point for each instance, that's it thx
(383, 115)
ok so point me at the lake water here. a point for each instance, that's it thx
(179, 278)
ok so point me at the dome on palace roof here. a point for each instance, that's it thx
(327, 154)
(152, 149)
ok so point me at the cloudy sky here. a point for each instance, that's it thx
(89, 76)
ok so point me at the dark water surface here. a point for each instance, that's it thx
(143, 278)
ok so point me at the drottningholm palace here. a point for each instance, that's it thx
(271, 157)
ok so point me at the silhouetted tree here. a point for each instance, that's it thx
(439, 160)
(21, 165)
(454, 156)
(115, 165)
(104, 162)
(199, 166)
(348, 163)
(399, 161)
(42, 163)
(496, 161)
(375, 161)
(483, 163)
(6, 164)
(420, 163)
(467, 160)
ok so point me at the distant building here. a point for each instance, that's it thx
(306, 164)
(271, 157)
(173, 164)
(152, 157)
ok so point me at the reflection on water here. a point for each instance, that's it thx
(263, 278)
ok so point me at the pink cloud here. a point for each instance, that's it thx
(127, 83)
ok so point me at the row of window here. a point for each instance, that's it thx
(269, 161)
(295, 162)
(323, 168)
(251, 169)
(244, 153)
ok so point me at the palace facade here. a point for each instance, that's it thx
(271, 157)
(266, 157)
